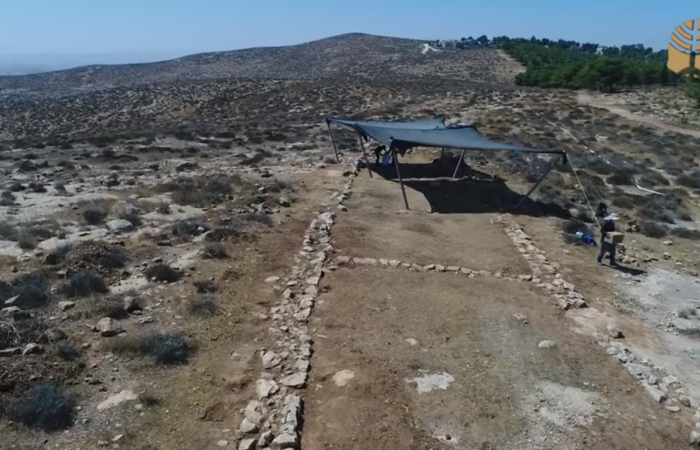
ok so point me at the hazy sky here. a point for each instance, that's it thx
(70, 27)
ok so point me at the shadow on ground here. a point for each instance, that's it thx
(471, 192)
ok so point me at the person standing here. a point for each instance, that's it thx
(606, 246)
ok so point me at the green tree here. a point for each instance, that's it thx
(692, 90)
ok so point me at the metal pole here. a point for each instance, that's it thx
(544, 175)
(335, 149)
(398, 173)
(459, 162)
(365, 153)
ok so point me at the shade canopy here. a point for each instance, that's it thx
(430, 132)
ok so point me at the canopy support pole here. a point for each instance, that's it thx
(544, 175)
(398, 173)
(335, 149)
(364, 151)
(459, 163)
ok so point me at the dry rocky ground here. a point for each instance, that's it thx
(184, 264)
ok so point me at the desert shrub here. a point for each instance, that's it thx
(7, 198)
(573, 226)
(691, 180)
(68, 351)
(199, 191)
(26, 166)
(222, 233)
(188, 228)
(60, 187)
(16, 187)
(131, 216)
(686, 233)
(112, 259)
(165, 348)
(624, 201)
(37, 187)
(22, 332)
(66, 164)
(33, 289)
(653, 229)
(58, 255)
(163, 272)
(661, 208)
(622, 177)
(45, 406)
(205, 286)
(93, 216)
(214, 251)
(149, 400)
(103, 306)
(653, 178)
(83, 284)
(264, 219)
(329, 160)
(202, 305)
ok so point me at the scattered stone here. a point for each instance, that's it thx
(66, 305)
(264, 439)
(272, 279)
(117, 399)
(118, 438)
(284, 441)
(270, 359)
(343, 377)
(614, 331)
(131, 304)
(684, 400)
(109, 327)
(668, 242)
(119, 225)
(11, 301)
(546, 344)
(521, 318)
(412, 341)
(265, 388)
(284, 201)
(694, 438)
(394, 263)
(14, 313)
(673, 409)
(246, 444)
(296, 380)
(248, 427)
(33, 349)
(657, 395)
(653, 380)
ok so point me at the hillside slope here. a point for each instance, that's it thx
(345, 57)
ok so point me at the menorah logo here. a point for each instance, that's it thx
(682, 50)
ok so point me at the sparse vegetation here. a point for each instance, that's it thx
(205, 286)
(83, 284)
(165, 348)
(45, 407)
(32, 289)
(214, 251)
(203, 304)
(163, 273)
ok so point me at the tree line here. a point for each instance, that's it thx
(574, 65)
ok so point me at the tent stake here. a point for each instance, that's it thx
(459, 162)
(398, 173)
(544, 175)
(335, 149)
(364, 151)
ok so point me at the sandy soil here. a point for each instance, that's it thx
(428, 360)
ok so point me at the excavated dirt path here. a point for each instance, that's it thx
(424, 360)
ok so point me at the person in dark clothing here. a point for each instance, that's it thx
(607, 247)
(378, 152)
(602, 210)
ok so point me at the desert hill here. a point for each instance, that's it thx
(348, 56)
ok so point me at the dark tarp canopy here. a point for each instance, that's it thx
(400, 136)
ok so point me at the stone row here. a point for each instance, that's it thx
(565, 293)
(659, 385)
(273, 419)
